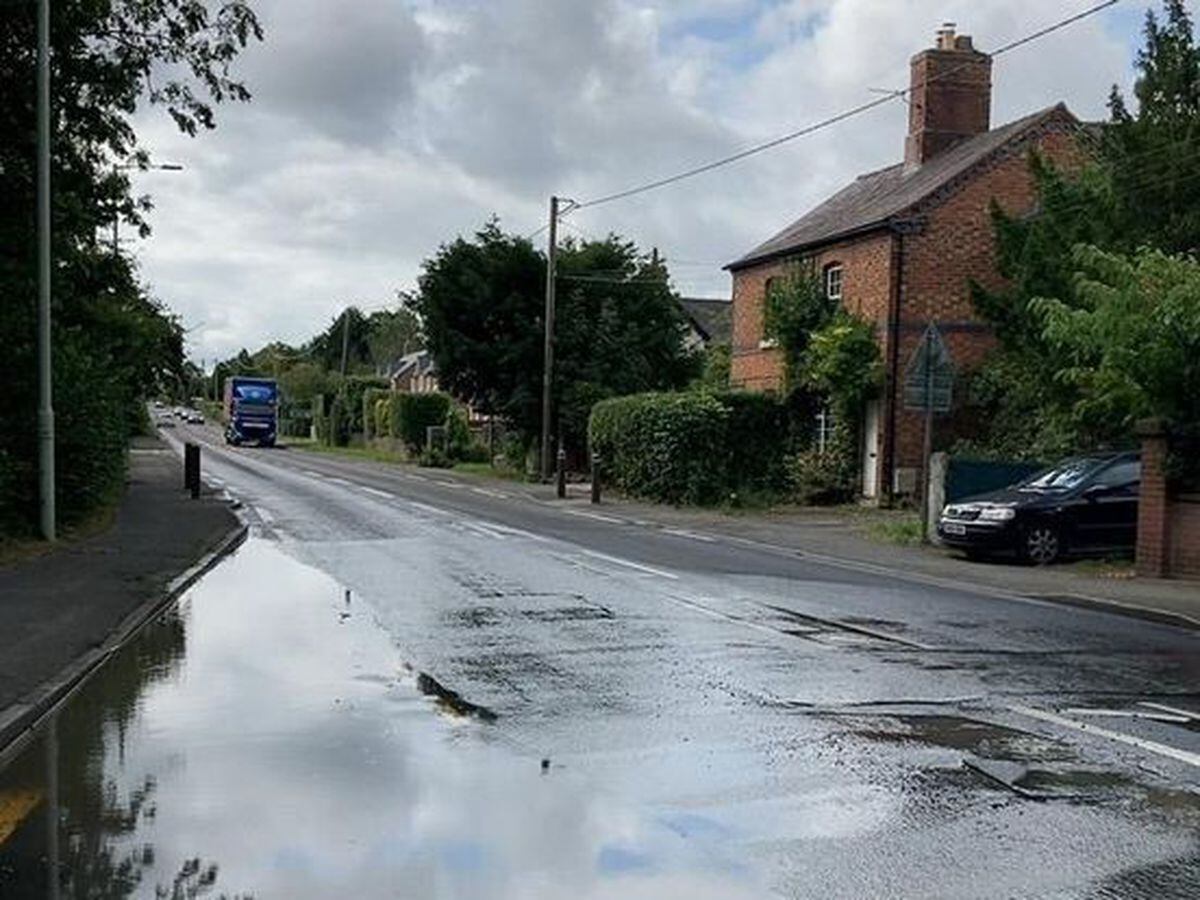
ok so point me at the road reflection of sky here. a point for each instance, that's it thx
(270, 730)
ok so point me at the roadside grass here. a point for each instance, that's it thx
(1114, 567)
(15, 550)
(903, 530)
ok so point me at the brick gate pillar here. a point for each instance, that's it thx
(1153, 533)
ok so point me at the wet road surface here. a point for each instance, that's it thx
(400, 687)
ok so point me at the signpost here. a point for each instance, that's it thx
(929, 388)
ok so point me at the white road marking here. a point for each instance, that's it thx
(489, 493)
(617, 561)
(484, 529)
(1129, 714)
(425, 507)
(333, 479)
(517, 532)
(375, 492)
(1171, 709)
(311, 474)
(450, 484)
(1185, 756)
(684, 533)
(596, 516)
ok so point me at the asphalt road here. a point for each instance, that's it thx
(728, 718)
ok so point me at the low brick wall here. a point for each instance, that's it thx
(1184, 531)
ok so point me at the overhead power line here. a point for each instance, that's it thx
(838, 117)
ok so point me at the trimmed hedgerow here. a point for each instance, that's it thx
(693, 448)
(410, 414)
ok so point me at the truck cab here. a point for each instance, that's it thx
(251, 411)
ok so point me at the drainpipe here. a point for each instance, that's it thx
(893, 362)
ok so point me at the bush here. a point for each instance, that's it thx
(822, 479)
(383, 424)
(757, 442)
(352, 392)
(695, 447)
(435, 458)
(410, 414)
(338, 426)
(665, 447)
(370, 398)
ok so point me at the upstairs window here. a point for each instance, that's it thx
(769, 286)
(833, 282)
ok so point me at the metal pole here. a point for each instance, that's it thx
(927, 442)
(345, 338)
(548, 346)
(116, 233)
(45, 416)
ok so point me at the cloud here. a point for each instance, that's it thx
(380, 129)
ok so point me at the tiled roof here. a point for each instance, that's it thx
(872, 199)
(712, 317)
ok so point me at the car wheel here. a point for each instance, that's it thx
(1041, 544)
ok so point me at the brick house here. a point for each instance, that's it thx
(901, 246)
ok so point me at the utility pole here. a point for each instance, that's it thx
(45, 417)
(547, 459)
(345, 338)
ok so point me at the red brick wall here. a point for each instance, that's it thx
(1184, 528)
(866, 279)
(1153, 532)
(956, 246)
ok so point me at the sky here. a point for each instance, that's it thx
(380, 129)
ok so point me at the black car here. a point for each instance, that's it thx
(1088, 504)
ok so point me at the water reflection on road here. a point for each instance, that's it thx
(265, 739)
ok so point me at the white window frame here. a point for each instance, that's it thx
(830, 270)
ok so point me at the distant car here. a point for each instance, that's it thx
(195, 418)
(1084, 505)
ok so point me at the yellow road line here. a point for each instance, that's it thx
(15, 806)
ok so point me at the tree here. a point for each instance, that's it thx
(1130, 340)
(392, 334)
(796, 307)
(1154, 154)
(113, 342)
(619, 329)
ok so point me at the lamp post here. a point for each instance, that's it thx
(162, 167)
(45, 416)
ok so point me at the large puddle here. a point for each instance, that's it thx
(266, 739)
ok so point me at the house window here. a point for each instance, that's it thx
(833, 282)
(767, 343)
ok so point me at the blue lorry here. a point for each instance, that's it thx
(251, 410)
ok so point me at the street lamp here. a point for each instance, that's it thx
(162, 167)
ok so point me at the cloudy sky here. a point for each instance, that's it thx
(381, 128)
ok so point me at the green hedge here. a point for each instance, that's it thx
(691, 447)
(410, 414)
(370, 400)
(352, 391)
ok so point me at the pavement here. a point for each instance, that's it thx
(60, 609)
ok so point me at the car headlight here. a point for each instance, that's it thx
(997, 513)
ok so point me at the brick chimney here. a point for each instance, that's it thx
(951, 96)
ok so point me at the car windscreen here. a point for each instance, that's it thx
(254, 393)
(1063, 477)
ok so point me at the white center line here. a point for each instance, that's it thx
(1170, 709)
(1184, 756)
(311, 474)
(335, 480)
(490, 493)
(616, 560)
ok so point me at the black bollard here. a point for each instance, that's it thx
(560, 476)
(191, 468)
(595, 477)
